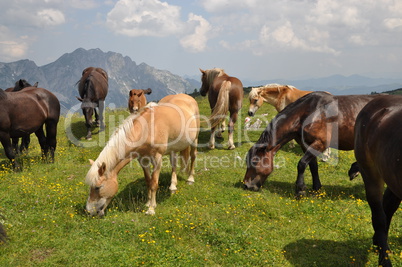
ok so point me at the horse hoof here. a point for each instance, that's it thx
(172, 192)
(211, 147)
(190, 182)
(231, 147)
(300, 194)
(150, 212)
(88, 138)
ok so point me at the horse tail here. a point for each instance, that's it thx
(222, 105)
(184, 159)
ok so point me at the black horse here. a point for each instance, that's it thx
(25, 140)
(378, 151)
(41, 108)
(316, 121)
(93, 88)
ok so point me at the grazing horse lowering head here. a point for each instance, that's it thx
(137, 99)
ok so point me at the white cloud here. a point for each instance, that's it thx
(197, 41)
(49, 17)
(144, 18)
(393, 23)
(11, 47)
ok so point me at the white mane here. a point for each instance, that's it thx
(113, 151)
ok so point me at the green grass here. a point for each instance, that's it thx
(211, 223)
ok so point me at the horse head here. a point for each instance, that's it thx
(204, 83)
(137, 99)
(87, 109)
(259, 167)
(256, 101)
(102, 189)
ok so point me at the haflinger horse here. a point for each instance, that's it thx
(169, 127)
(378, 151)
(25, 140)
(93, 88)
(277, 95)
(225, 94)
(25, 112)
(137, 99)
(316, 121)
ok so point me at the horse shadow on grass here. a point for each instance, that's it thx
(78, 130)
(313, 252)
(333, 192)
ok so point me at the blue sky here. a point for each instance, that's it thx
(250, 39)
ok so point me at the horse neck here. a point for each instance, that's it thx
(279, 131)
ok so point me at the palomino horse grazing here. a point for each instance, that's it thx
(225, 94)
(25, 140)
(93, 88)
(316, 121)
(25, 112)
(378, 150)
(277, 95)
(137, 99)
(169, 127)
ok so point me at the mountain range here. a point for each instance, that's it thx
(62, 75)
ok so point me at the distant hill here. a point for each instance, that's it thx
(61, 76)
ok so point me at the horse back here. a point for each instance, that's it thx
(378, 142)
(93, 84)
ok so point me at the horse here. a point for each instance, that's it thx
(93, 88)
(378, 150)
(137, 99)
(225, 94)
(169, 127)
(25, 140)
(316, 121)
(40, 108)
(275, 94)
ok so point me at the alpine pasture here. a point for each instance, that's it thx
(213, 222)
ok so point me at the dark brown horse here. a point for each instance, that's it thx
(378, 151)
(137, 99)
(25, 112)
(25, 140)
(225, 94)
(316, 121)
(93, 88)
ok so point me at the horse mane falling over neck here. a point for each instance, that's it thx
(114, 151)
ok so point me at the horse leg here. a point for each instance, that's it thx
(232, 120)
(25, 140)
(173, 182)
(193, 155)
(390, 205)
(42, 141)
(14, 144)
(8, 149)
(146, 168)
(314, 173)
(51, 137)
(153, 183)
(212, 139)
(96, 117)
(301, 167)
(379, 218)
(220, 130)
(101, 113)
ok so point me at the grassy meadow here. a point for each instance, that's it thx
(211, 223)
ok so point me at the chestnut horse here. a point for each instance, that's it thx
(93, 88)
(316, 121)
(275, 94)
(225, 94)
(40, 107)
(25, 140)
(378, 150)
(137, 99)
(169, 127)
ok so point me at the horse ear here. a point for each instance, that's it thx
(130, 93)
(21, 83)
(79, 98)
(36, 84)
(91, 162)
(102, 169)
(148, 91)
(202, 71)
(140, 93)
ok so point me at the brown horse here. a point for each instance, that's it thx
(25, 112)
(137, 99)
(93, 88)
(25, 140)
(316, 121)
(275, 94)
(378, 151)
(171, 126)
(225, 94)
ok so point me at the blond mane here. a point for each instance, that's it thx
(213, 73)
(113, 151)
